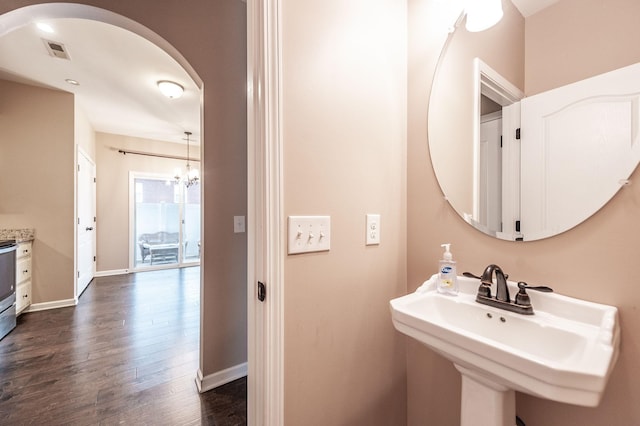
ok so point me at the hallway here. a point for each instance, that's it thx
(127, 354)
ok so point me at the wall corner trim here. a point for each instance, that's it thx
(55, 304)
(111, 272)
(220, 378)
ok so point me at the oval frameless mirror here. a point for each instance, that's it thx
(527, 137)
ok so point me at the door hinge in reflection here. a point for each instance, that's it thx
(262, 291)
(518, 133)
(94, 258)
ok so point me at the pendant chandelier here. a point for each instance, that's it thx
(191, 176)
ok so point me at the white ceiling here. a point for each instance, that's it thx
(530, 7)
(117, 71)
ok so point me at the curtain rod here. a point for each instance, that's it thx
(151, 154)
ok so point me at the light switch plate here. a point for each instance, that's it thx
(238, 224)
(309, 234)
(373, 229)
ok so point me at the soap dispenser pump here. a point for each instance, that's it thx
(447, 274)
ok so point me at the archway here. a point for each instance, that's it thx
(18, 18)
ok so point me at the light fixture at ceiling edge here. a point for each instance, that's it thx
(482, 14)
(170, 89)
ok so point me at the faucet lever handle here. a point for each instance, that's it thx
(524, 286)
(522, 298)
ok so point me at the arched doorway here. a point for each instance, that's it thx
(63, 291)
(213, 36)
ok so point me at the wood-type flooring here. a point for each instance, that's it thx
(127, 354)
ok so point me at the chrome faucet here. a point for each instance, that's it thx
(521, 304)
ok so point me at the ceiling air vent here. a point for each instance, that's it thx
(56, 49)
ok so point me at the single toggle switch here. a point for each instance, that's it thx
(238, 224)
(309, 234)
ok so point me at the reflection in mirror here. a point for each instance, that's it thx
(498, 190)
(496, 195)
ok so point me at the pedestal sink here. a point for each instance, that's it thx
(564, 352)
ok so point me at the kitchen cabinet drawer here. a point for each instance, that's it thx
(24, 250)
(23, 296)
(23, 270)
(23, 276)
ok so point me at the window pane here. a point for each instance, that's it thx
(157, 221)
(191, 230)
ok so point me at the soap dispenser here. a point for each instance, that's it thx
(447, 275)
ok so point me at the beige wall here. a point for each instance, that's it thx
(211, 35)
(344, 116)
(37, 184)
(594, 261)
(85, 136)
(112, 190)
(554, 58)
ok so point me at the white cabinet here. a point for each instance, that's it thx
(23, 276)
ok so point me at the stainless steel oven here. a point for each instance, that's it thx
(7, 286)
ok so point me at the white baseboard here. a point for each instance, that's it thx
(111, 272)
(34, 307)
(220, 378)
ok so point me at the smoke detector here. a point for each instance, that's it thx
(56, 49)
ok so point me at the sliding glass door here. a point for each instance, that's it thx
(191, 224)
(165, 222)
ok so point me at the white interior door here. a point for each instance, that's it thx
(510, 172)
(490, 192)
(86, 222)
(579, 142)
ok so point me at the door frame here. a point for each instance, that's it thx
(490, 83)
(265, 240)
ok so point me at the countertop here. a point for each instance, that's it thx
(20, 235)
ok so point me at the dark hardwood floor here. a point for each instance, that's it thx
(126, 354)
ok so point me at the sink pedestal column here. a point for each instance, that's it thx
(485, 403)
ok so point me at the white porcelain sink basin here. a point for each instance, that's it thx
(564, 352)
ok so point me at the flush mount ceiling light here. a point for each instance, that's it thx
(482, 14)
(43, 26)
(72, 81)
(170, 89)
